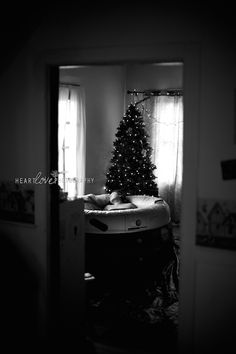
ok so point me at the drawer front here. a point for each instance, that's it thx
(149, 238)
(139, 222)
(123, 252)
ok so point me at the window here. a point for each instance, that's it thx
(71, 140)
(163, 116)
(167, 143)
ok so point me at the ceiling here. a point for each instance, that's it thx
(19, 20)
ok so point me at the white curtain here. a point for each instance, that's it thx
(163, 117)
(167, 142)
(71, 140)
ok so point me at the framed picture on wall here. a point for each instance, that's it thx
(216, 223)
(17, 203)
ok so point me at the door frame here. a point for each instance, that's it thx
(51, 72)
(189, 54)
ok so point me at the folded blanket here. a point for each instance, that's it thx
(120, 206)
(91, 206)
(96, 202)
(106, 202)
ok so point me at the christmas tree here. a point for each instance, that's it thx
(131, 169)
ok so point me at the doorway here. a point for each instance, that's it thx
(92, 101)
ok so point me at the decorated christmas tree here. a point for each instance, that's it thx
(131, 169)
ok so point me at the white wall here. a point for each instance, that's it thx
(24, 133)
(158, 76)
(104, 91)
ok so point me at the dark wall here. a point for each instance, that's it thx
(18, 299)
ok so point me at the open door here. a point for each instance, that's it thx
(136, 275)
(65, 248)
(190, 56)
(72, 268)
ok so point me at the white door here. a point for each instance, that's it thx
(72, 296)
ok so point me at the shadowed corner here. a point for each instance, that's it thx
(18, 299)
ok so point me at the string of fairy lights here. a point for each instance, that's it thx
(131, 169)
(141, 99)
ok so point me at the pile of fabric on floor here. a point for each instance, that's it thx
(148, 312)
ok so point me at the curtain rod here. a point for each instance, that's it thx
(68, 84)
(149, 93)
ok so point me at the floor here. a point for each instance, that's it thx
(145, 331)
(105, 349)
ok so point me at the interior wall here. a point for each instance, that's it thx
(23, 137)
(104, 90)
(215, 309)
(23, 147)
(158, 76)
